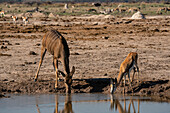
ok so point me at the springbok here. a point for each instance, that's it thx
(131, 10)
(166, 9)
(125, 68)
(25, 20)
(14, 18)
(56, 44)
(2, 13)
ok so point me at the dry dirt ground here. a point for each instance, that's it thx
(97, 47)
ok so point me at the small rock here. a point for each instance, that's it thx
(143, 91)
(167, 87)
(28, 62)
(3, 47)
(105, 74)
(12, 81)
(105, 37)
(148, 92)
(75, 53)
(1, 95)
(17, 43)
(156, 30)
(161, 90)
(32, 53)
(38, 44)
(5, 80)
(18, 90)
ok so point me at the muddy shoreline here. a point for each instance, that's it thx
(97, 50)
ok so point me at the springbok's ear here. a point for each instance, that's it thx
(61, 73)
(72, 72)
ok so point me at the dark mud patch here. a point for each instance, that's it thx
(160, 88)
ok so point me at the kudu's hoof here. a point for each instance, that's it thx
(56, 89)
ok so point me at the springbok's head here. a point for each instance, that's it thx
(68, 79)
(113, 85)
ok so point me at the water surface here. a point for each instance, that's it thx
(81, 103)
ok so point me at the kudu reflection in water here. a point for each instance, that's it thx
(115, 103)
(67, 105)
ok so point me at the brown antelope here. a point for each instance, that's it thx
(2, 13)
(122, 10)
(166, 9)
(125, 68)
(116, 9)
(131, 10)
(25, 20)
(56, 44)
(14, 18)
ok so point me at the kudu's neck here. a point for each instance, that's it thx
(66, 66)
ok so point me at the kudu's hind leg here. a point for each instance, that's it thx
(43, 51)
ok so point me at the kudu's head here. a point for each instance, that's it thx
(68, 79)
(113, 85)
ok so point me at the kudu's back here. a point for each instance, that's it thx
(55, 43)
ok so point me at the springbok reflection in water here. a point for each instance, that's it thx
(67, 105)
(115, 103)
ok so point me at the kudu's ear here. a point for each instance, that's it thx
(61, 73)
(72, 72)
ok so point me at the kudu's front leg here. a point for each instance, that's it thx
(43, 51)
(56, 70)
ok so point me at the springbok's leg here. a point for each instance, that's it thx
(43, 51)
(138, 72)
(124, 82)
(136, 64)
(130, 81)
(56, 70)
(124, 79)
(134, 70)
(137, 69)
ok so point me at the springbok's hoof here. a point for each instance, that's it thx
(35, 80)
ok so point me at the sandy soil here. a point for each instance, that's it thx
(97, 47)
